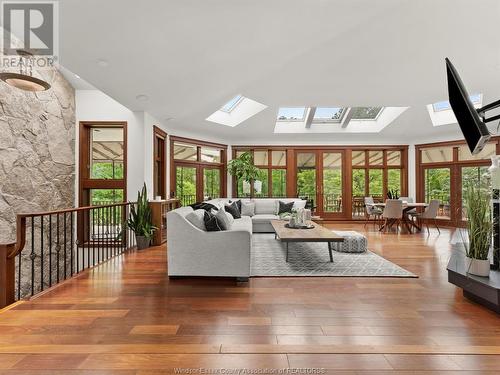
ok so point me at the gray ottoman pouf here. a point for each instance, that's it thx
(354, 242)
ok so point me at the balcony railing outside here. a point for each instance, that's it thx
(53, 246)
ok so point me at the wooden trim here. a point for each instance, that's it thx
(323, 147)
(84, 182)
(198, 164)
(197, 142)
(160, 134)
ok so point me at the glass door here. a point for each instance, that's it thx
(320, 180)
(331, 194)
(211, 183)
(185, 184)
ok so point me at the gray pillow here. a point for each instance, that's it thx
(196, 218)
(223, 217)
(230, 217)
(247, 208)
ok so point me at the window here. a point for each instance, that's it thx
(106, 158)
(393, 157)
(328, 114)
(444, 105)
(365, 113)
(479, 177)
(103, 164)
(437, 186)
(358, 158)
(159, 163)
(279, 158)
(486, 153)
(306, 175)
(230, 105)
(394, 180)
(376, 157)
(272, 177)
(183, 151)
(210, 155)
(332, 182)
(291, 113)
(376, 183)
(197, 170)
(279, 183)
(436, 154)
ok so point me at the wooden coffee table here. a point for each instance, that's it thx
(316, 234)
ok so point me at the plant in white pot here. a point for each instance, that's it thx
(479, 230)
(140, 221)
(243, 168)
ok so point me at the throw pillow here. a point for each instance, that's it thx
(285, 207)
(233, 209)
(204, 206)
(238, 203)
(224, 218)
(230, 217)
(247, 208)
(196, 218)
(212, 222)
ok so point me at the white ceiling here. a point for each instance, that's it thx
(190, 57)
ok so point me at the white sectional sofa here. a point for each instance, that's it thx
(195, 252)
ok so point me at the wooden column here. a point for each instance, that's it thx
(7, 275)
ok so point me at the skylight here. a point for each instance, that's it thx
(365, 113)
(291, 113)
(230, 105)
(444, 105)
(328, 114)
(235, 111)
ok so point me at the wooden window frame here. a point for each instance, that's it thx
(291, 168)
(455, 166)
(85, 183)
(198, 164)
(269, 167)
(159, 156)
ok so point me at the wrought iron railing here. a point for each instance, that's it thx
(53, 246)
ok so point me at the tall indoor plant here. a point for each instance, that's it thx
(243, 168)
(479, 229)
(140, 221)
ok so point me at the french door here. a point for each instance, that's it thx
(196, 183)
(320, 177)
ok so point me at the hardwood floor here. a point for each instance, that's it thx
(126, 317)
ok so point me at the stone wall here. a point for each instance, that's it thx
(37, 153)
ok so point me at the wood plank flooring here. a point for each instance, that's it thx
(125, 317)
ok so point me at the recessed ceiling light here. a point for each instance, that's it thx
(102, 63)
(142, 98)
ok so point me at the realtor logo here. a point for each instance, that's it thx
(30, 26)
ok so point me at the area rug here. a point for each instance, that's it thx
(312, 259)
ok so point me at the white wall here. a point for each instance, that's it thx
(94, 105)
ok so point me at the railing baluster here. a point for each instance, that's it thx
(93, 237)
(65, 240)
(72, 243)
(89, 235)
(58, 247)
(50, 250)
(32, 256)
(19, 277)
(41, 253)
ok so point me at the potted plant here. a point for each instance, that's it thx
(243, 168)
(139, 220)
(479, 229)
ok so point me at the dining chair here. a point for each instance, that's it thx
(430, 213)
(372, 211)
(393, 213)
(408, 200)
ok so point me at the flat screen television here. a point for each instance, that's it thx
(474, 130)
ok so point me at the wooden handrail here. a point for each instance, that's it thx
(8, 252)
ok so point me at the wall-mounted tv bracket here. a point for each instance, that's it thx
(488, 107)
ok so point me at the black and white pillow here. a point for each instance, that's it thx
(285, 207)
(233, 209)
(216, 222)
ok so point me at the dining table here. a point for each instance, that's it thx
(407, 222)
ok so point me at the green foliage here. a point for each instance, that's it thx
(393, 194)
(437, 184)
(242, 168)
(139, 220)
(479, 222)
